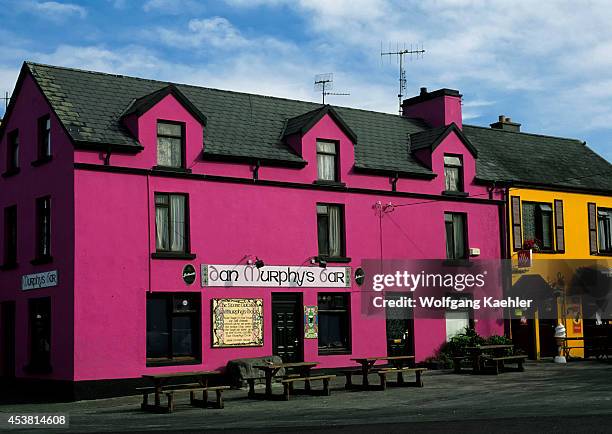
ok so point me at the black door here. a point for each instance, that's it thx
(8, 339)
(287, 328)
(400, 327)
(523, 336)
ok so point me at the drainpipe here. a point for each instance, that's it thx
(394, 182)
(149, 232)
(256, 170)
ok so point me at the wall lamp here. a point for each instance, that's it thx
(259, 263)
(318, 260)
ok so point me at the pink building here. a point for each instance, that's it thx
(148, 227)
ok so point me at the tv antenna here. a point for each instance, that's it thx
(6, 99)
(400, 53)
(324, 83)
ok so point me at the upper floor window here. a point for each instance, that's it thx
(170, 144)
(604, 225)
(12, 156)
(330, 230)
(456, 235)
(327, 161)
(171, 228)
(44, 137)
(453, 173)
(10, 235)
(538, 225)
(43, 228)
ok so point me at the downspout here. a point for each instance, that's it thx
(506, 253)
(394, 182)
(256, 170)
(149, 231)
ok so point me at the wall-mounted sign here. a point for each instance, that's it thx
(189, 274)
(237, 322)
(276, 276)
(359, 276)
(524, 258)
(311, 322)
(39, 280)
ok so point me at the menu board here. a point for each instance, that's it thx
(237, 322)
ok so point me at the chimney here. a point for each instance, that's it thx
(506, 124)
(438, 108)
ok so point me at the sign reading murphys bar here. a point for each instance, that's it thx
(275, 276)
(39, 280)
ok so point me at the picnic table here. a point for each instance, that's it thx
(160, 385)
(367, 365)
(599, 345)
(271, 369)
(494, 353)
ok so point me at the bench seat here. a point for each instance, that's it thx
(288, 384)
(498, 362)
(382, 373)
(171, 390)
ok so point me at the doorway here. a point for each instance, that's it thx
(8, 338)
(287, 327)
(400, 327)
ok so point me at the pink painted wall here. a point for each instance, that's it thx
(115, 234)
(54, 178)
(102, 245)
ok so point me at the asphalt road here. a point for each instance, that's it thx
(545, 398)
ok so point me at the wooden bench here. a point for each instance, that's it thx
(498, 362)
(171, 390)
(382, 373)
(288, 384)
(457, 363)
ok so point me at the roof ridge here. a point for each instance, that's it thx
(525, 133)
(151, 80)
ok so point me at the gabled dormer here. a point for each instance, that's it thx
(324, 139)
(169, 127)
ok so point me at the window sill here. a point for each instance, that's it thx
(329, 183)
(457, 263)
(42, 260)
(38, 369)
(455, 193)
(173, 362)
(170, 169)
(11, 172)
(9, 266)
(339, 352)
(172, 255)
(608, 254)
(42, 160)
(546, 252)
(334, 259)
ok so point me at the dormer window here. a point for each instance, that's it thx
(170, 144)
(453, 173)
(327, 161)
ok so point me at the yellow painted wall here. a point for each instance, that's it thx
(576, 230)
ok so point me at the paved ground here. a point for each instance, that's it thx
(546, 398)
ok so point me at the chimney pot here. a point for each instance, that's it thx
(423, 90)
(505, 123)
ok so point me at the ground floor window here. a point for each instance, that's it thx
(173, 328)
(334, 323)
(39, 312)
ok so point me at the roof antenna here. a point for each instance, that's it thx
(400, 53)
(7, 99)
(324, 83)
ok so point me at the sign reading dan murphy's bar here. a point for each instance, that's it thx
(276, 275)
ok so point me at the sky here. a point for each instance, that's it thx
(545, 64)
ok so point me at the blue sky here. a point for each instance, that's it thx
(546, 64)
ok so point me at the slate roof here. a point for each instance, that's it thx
(241, 125)
(433, 137)
(302, 123)
(538, 160)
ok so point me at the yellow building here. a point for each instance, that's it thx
(558, 195)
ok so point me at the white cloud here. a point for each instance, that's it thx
(216, 31)
(55, 11)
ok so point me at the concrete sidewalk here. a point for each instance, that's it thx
(546, 397)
